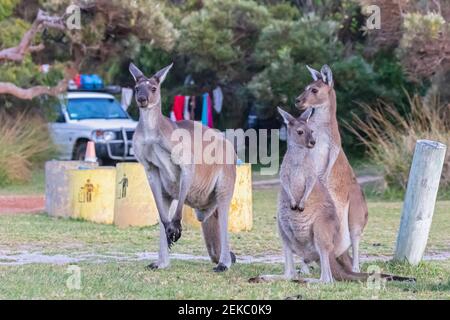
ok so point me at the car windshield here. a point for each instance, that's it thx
(95, 108)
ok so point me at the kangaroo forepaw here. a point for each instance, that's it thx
(294, 206)
(301, 206)
(220, 268)
(173, 232)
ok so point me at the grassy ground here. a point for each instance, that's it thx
(193, 280)
(34, 187)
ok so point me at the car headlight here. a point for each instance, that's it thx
(109, 135)
(100, 135)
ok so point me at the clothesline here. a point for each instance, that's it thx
(199, 108)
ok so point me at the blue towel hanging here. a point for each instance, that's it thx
(205, 109)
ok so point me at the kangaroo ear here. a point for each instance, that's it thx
(286, 116)
(306, 115)
(161, 74)
(316, 75)
(135, 72)
(327, 75)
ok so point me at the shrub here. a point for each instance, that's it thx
(24, 142)
(390, 136)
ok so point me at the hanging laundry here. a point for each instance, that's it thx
(210, 112)
(172, 116)
(198, 109)
(192, 105)
(186, 113)
(178, 107)
(205, 109)
(218, 99)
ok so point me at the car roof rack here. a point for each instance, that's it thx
(106, 89)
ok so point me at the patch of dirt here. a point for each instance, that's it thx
(23, 257)
(21, 204)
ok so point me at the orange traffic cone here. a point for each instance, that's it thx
(90, 152)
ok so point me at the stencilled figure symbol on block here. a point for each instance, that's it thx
(124, 185)
(85, 194)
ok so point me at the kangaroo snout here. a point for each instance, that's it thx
(142, 101)
(311, 144)
(300, 103)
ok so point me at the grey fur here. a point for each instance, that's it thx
(208, 188)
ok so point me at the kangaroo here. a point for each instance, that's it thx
(206, 187)
(336, 172)
(315, 233)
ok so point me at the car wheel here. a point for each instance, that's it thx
(80, 151)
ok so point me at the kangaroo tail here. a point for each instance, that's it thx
(342, 273)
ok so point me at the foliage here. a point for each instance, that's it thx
(283, 49)
(425, 44)
(6, 8)
(216, 46)
(220, 38)
(112, 32)
(277, 85)
(24, 141)
(390, 137)
(109, 28)
(256, 50)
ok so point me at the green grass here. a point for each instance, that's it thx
(35, 186)
(195, 280)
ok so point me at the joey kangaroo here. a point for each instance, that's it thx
(208, 188)
(315, 233)
(336, 172)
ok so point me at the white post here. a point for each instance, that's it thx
(420, 199)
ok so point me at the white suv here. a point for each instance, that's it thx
(93, 116)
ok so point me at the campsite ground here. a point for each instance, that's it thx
(36, 252)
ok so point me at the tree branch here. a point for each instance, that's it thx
(43, 20)
(33, 92)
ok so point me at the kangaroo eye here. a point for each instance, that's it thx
(314, 90)
(136, 89)
(300, 132)
(153, 89)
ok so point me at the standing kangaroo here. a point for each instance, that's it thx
(336, 172)
(206, 187)
(308, 222)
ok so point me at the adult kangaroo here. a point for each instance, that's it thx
(308, 222)
(174, 174)
(330, 159)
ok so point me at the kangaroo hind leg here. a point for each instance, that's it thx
(289, 269)
(211, 235)
(357, 220)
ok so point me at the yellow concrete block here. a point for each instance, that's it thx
(135, 205)
(92, 194)
(190, 219)
(241, 208)
(57, 196)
